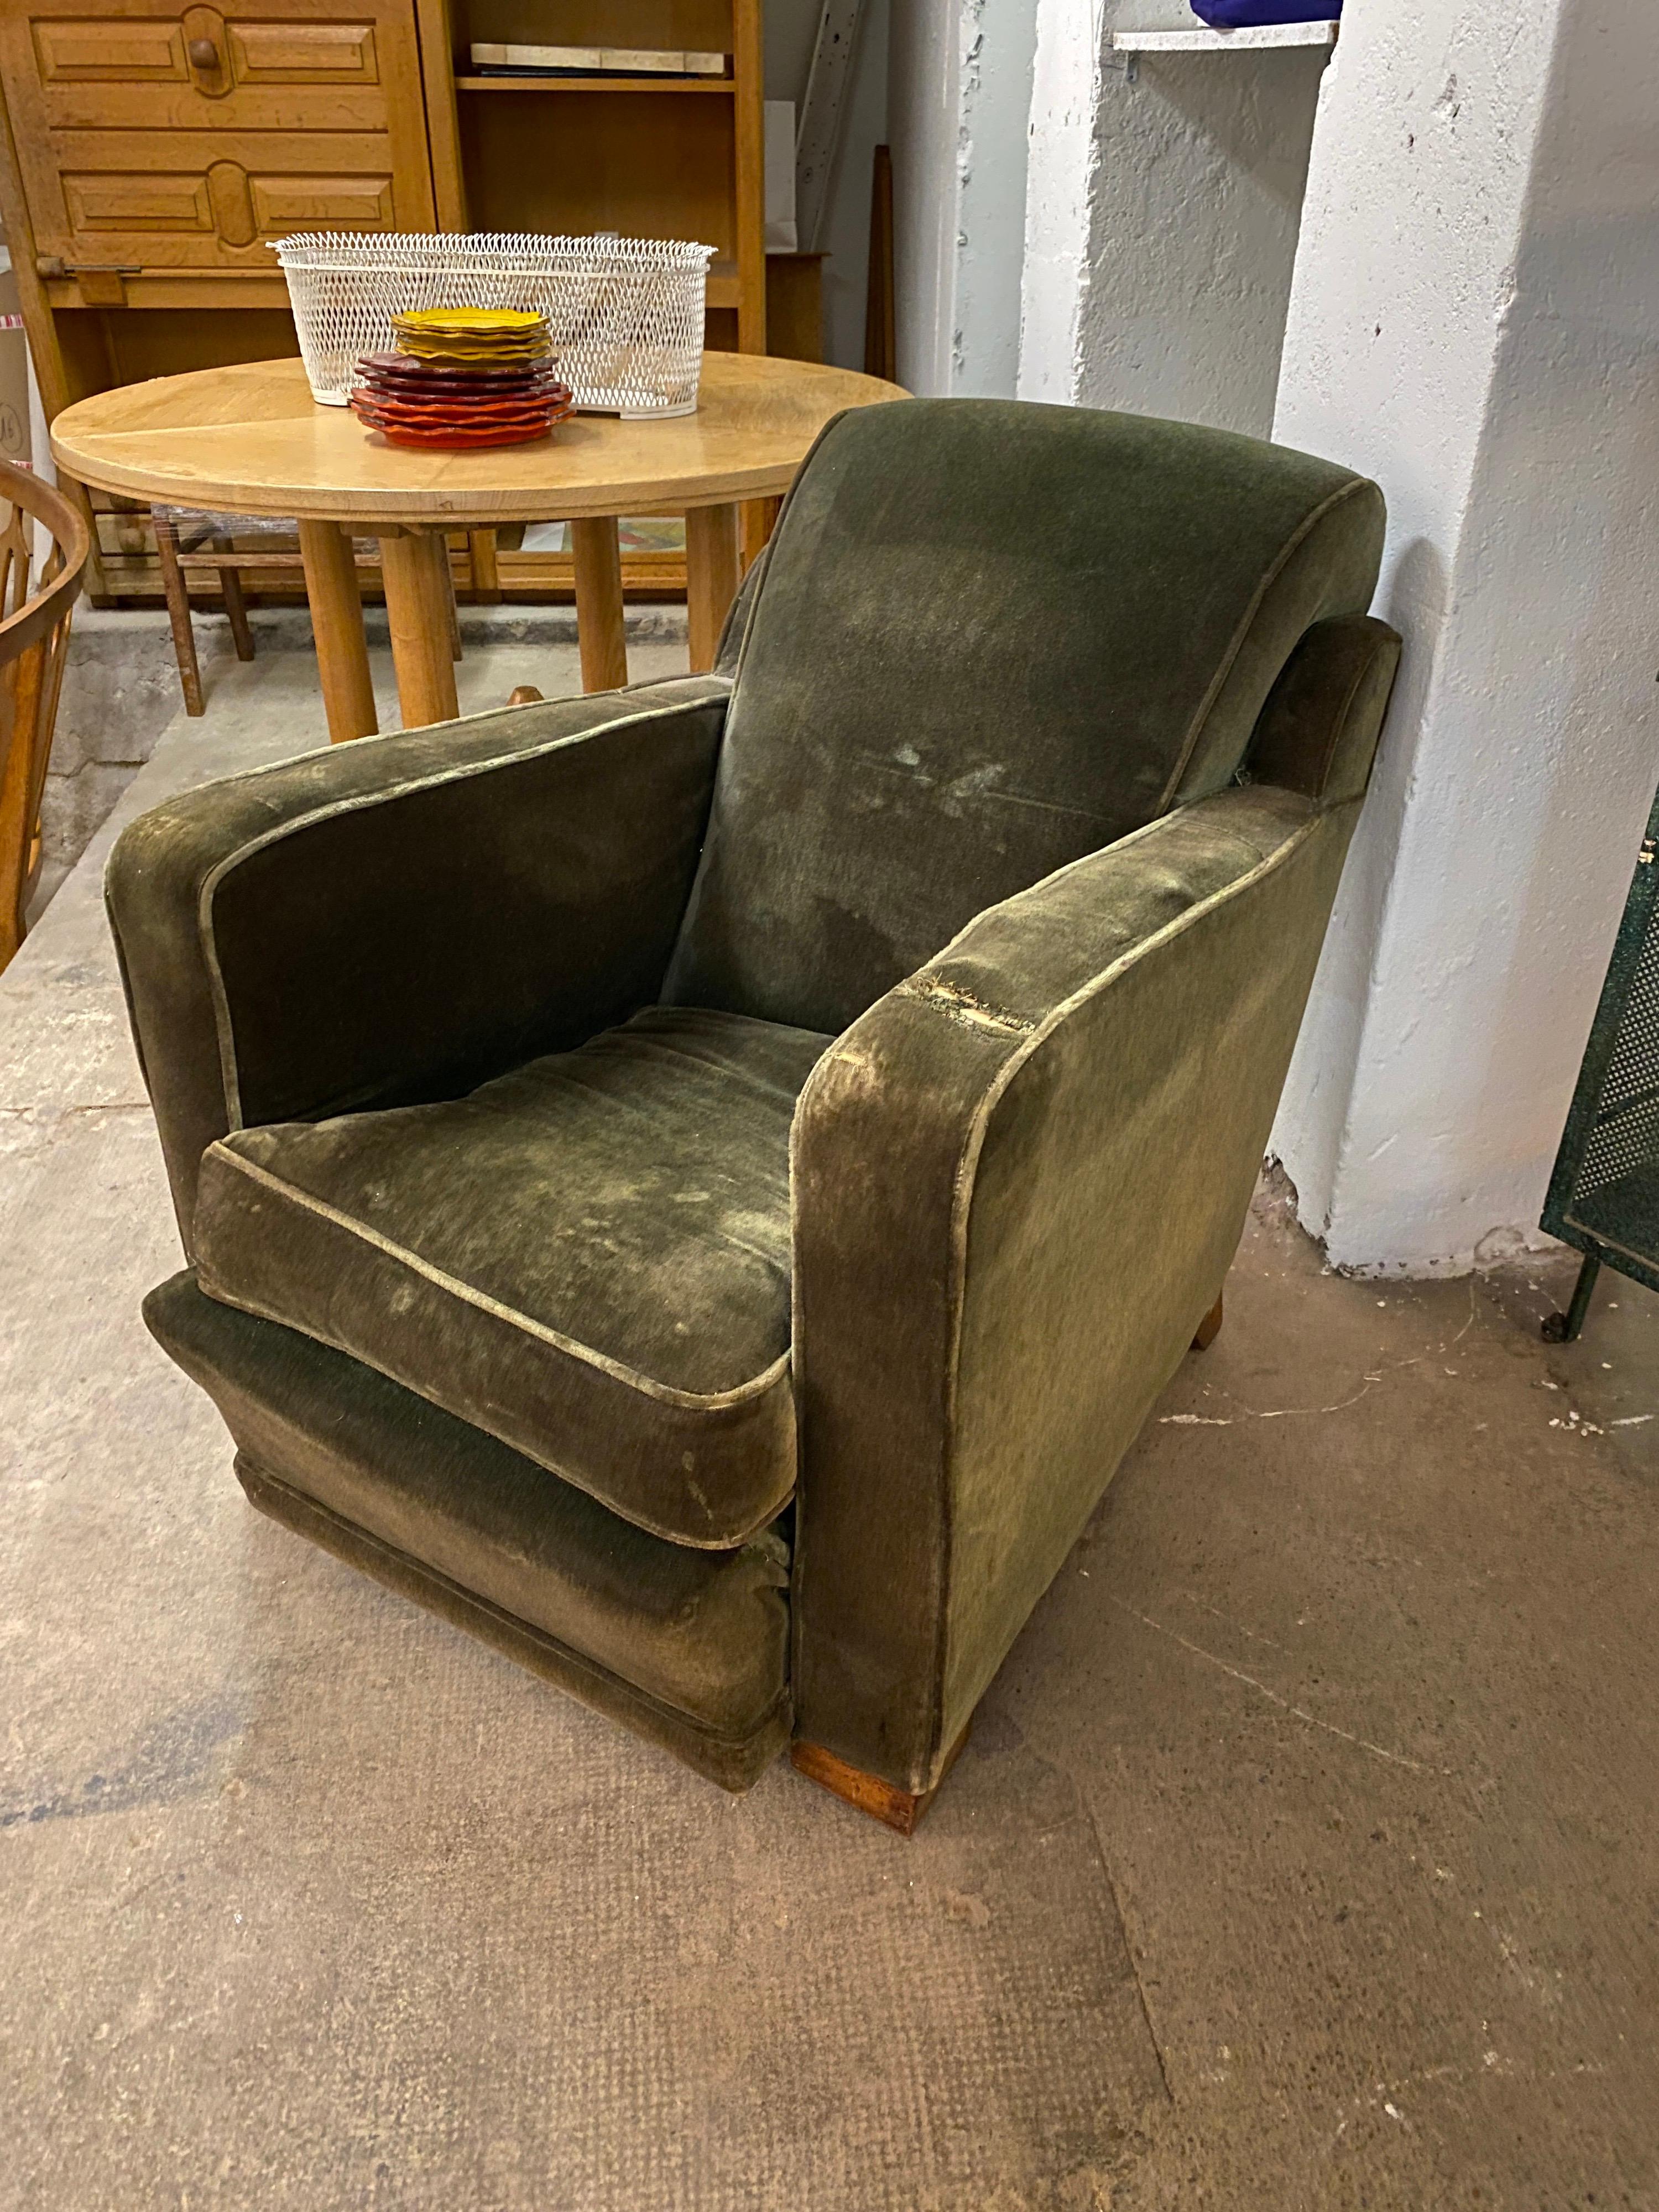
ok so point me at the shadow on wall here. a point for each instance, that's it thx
(1195, 205)
(1413, 600)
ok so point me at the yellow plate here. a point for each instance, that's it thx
(479, 322)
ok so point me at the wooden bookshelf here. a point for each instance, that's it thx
(651, 157)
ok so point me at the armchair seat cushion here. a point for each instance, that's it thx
(587, 1258)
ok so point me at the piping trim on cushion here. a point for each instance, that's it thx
(967, 1171)
(1036, 1033)
(691, 1400)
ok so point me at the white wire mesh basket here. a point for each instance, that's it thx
(626, 314)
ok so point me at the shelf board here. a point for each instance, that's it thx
(1200, 39)
(595, 84)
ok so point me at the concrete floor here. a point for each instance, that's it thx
(1305, 1854)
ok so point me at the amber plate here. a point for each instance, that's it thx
(402, 368)
(512, 357)
(406, 368)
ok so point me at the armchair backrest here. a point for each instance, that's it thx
(991, 637)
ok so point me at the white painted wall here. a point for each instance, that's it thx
(996, 41)
(1162, 217)
(1194, 211)
(959, 103)
(1475, 323)
(923, 121)
(1064, 151)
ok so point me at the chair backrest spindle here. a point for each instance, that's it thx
(33, 643)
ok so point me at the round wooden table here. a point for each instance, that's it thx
(249, 440)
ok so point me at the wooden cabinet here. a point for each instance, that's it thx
(151, 145)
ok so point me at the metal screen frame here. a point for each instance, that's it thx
(1613, 1126)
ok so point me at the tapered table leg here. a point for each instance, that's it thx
(600, 633)
(759, 519)
(483, 568)
(337, 629)
(711, 580)
(1209, 1329)
(414, 566)
(177, 594)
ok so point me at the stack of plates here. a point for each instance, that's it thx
(460, 377)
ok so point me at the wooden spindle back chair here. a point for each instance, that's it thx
(34, 629)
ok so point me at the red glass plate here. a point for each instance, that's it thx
(481, 412)
(455, 442)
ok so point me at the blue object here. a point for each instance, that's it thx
(1248, 15)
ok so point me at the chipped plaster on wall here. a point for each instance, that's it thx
(1192, 213)
(960, 77)
(1063, 157)
(1475, 322)
(1162, 217)
(996, 40)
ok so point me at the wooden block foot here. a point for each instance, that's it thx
(900, 1809)
(1209, 1329)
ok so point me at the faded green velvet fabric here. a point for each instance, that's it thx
(1318, 730)
(1020, 1179)
(688, 1647)
(991, 637)
(588, 1258)
(384, 990)
(403, 917)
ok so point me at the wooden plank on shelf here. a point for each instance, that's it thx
(880, 312)
(595, 84)
(1202, 39)
(818, 133)
(794, 305)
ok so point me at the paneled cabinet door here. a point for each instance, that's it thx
(160, 140)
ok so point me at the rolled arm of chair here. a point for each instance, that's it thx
(402, 917)
(1019, 1180)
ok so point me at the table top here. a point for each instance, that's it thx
(249, 440)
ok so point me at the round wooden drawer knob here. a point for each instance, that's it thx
(204, 54)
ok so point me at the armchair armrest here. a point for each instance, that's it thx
(1018, 1181)
(402, 917)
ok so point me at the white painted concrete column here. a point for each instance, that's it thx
(1064, 151)
(1161, 216)
(959, 77)
(1475, 323)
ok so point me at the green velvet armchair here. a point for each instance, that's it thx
(700, 1185)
